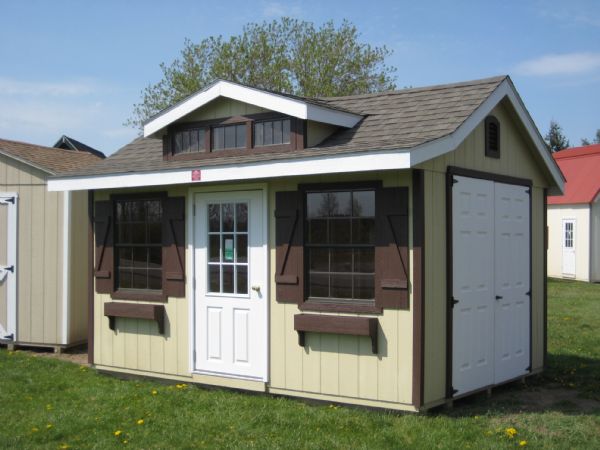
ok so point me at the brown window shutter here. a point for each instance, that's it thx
(289, 257)
(391, 251)
(104, 262)
(174, 246)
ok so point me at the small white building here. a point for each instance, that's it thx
(574, 218)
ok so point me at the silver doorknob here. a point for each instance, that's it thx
(256, 288)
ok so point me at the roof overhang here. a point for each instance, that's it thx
(394, 159)
(450, 142)
(26, 162)
(274, 102)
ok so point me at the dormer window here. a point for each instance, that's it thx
(229, 136)
(189, 141)
(257, 133)
(492, 137)
(272, 132)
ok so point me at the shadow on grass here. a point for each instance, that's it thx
(569, 385)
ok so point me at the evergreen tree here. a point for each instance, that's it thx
(555, 139)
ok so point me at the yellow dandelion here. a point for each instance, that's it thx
(511, 432)
(154, 392)
(49, 426)
(48, 406)
(117, 433)
(140, 422)
(125, 441)
(35, 429)
(522, 443)
(64, 446)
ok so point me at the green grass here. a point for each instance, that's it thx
(45, 403)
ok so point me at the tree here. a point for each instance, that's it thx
(596, 140)
(555, 139)
(285, 55)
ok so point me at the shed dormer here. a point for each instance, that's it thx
(231, 119)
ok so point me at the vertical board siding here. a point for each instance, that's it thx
(39, 253)
(517, 159)
(338, 365)
(221, 108)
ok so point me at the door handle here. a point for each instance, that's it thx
(256, 288)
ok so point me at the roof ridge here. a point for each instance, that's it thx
(497, 79)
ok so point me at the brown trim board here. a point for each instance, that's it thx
(459, 171)
(418, 292)
(90, 277)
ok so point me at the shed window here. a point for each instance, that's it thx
(492, 137)
(138, 244)
(229, 136)
(341, 245)
(272, 132)
(188, 141)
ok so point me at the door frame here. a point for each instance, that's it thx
(564, 221)
(498, 178)
(191, 272)
(12, 255)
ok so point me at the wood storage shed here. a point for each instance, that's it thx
(383, 249)
(43, 248)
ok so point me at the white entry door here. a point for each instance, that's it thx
(568, 247)
(231, 303)
(8, 266)
(491, 283)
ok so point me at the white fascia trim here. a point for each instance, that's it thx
(66, 268)
(433, 149)
(357, 162)
(267, 100)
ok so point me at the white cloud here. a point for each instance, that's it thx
(560, 64)
(13, 87)
(273, 10)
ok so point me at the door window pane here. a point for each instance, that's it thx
(228, 248)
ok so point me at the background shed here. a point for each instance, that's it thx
(43, 248)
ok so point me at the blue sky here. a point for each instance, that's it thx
(77, 68)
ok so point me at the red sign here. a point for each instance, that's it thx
(196, 175)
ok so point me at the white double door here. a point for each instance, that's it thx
(231, 304)
(491, 283)
(8, 266)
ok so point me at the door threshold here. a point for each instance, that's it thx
(228, 375)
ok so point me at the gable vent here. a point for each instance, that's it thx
(492, 137)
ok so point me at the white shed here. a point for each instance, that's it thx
(574, 218)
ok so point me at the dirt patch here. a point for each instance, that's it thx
(76, 355)
(542, 399)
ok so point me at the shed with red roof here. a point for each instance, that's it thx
(574, 218)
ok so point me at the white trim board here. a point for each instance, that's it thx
(66, 266)
(357, 162)
(268, 100)
(373, 160)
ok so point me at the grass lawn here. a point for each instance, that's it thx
(46, 403)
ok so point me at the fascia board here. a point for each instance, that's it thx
(355, 162)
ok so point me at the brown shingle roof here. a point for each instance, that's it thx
(393, 120)
(55, 161)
